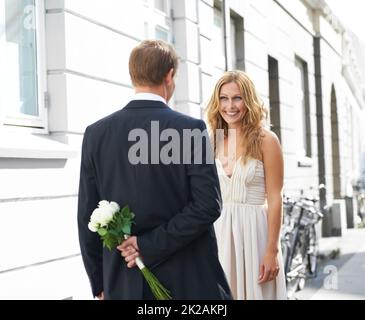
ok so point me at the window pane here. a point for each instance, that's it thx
(274, 96)
(161, 5)
(18, 65)
(218, 40)
(162, 34)
(300, 109)
(218, 36)
(233, 44)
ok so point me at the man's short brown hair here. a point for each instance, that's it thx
(150, 62)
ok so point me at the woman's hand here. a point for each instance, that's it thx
(269, 268)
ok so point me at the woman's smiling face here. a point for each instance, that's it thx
(231, 105)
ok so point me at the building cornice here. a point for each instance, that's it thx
(350, 65)
(327, 13)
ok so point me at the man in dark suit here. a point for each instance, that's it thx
(175, 195)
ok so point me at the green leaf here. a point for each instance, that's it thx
(126, 228)
(108, 245)
(110, 241)
(125, 211)
(127, 214)
(114, 232)
(102, 231)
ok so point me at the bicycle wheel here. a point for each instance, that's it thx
(312, 252)
(285, 243)
(296, 265)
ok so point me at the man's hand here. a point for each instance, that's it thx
(129, 250)
(100, 296)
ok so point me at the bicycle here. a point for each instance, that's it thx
(360, 198)
(300, 242)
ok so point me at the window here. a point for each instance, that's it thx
(161, 5)
(218, 40)
(274, 96)
(228, 42)
(161, 33)
(21, 99)
(233, 44)
(157, 23)
(237, 42)
(302, 109)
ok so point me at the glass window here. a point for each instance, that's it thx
(218, 39)
(302, 109)
(161, 5)
(233, 44)
(274, 96)
(237, 42)
(162, 34)
(18, 58)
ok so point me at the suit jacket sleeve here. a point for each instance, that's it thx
(195, 219)
(90, 243)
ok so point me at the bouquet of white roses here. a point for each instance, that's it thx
(114, 226)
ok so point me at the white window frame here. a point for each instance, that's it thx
(233, 44)
(162, 30)
(157, 19)
(302, 146)
(219, 59)
(166, 5)
(300, 109)
(39, 123)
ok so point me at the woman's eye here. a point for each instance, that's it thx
(222, 98)
(237, 98)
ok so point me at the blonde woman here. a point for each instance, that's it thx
(251, 181)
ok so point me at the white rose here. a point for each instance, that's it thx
(102, 215)
(106, 215)
(93, 226)
(103, 203)
(115, 206)
(96, 215)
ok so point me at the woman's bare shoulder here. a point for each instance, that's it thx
(269, 136)
(270, 146)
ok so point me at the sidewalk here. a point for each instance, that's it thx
(341, 278)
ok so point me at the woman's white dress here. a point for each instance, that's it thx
(242, 231)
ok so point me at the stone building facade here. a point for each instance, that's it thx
(64, 64)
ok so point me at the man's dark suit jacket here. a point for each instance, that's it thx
(175, 206)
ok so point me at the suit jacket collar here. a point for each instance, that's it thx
(148, 96)
(145, 104)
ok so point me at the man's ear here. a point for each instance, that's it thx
(170, 76)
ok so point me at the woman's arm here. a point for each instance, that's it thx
(274, 176)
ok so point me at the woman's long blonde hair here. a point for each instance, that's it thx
(252, 121)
